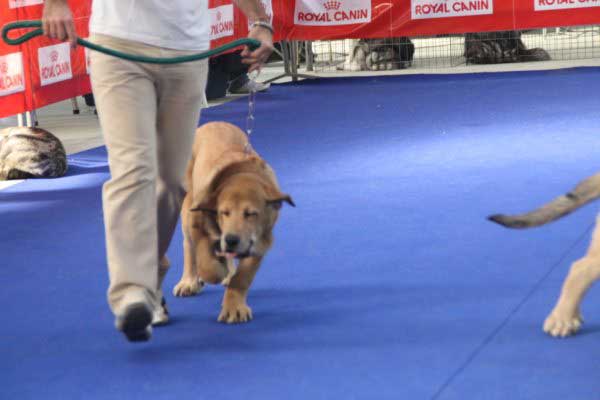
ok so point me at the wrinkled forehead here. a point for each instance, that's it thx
(241, 197)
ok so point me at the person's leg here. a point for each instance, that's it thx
(126, 99)
(180, 93)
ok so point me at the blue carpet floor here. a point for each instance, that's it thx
(386, 282)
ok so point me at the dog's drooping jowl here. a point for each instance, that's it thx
(565, 319)
(30, 153)
(500, 47)
(228, 214)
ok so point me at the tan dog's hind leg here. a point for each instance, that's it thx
(565, 319)
(234, 308)
(190, 283)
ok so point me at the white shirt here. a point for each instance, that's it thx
(172, 24)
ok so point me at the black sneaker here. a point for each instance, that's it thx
(136, 322)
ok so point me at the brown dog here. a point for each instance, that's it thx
(565, 319)
(229, 212)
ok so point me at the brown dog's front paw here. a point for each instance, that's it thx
(235, 313)
(188, 287)
(561, 324)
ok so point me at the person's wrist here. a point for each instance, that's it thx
(262, 24)
(56, 2)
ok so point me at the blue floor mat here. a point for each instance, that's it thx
(386, 282)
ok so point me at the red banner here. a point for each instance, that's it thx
(41, 71)
(13, 84)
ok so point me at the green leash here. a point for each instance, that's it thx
(251, 43)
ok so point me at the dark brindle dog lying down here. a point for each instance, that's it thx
(30, 153)
(566, 318)
(500, 47)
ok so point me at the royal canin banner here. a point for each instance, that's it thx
(42, 71)
(12, 75)
(427, 9)
(332, 12)
(222, 23)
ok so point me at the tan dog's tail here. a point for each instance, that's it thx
(584, 192)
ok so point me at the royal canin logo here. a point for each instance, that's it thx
(222, 23)
(334, 12)
(55, 68)
(10, 81)
(332, 5)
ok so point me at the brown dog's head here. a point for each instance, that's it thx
(245, 207)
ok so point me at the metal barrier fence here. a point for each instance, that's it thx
(445, 51)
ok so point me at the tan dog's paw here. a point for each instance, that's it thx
(235, 313)
(188, 287)
(560, 324)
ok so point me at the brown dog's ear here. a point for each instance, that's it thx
(208, 206)
(275, 197)
(203, 209)
(277, 201)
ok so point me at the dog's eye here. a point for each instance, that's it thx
(225, 213)
(249, 214)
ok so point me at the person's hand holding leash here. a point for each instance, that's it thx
(259, 56)
(260, 30)
(57, 21)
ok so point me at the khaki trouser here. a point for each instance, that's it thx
(148, 115)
